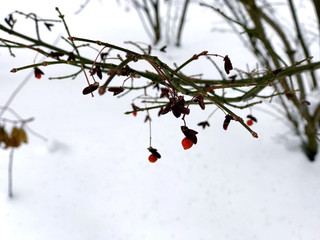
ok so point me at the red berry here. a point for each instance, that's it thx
(134, 113)
(249, 122)
(186, 143)
(152, 158)
(38, 75)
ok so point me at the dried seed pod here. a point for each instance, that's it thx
(99, 72)
(252, 118)
(91, 88)
(227, 64)
(56, 55)
(154, 152)
(227, 121)
(38, 73)
(116, 90)
(199, 99)
(71, 57)
(190, 134)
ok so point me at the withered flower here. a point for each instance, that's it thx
(190, 134)
(176, 105)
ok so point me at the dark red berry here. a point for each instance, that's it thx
(152, 158)
(249, 122)
(186, 143)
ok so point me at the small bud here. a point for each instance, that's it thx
(102, 90)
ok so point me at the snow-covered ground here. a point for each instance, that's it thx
(92, 179)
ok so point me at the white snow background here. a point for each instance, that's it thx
(92, 179)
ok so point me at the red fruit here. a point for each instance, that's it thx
(152, 158)
(249, 122)
(38, 73)
(186, 143)
(134, 113)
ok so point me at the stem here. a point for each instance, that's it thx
(10, 193)
(182, 21)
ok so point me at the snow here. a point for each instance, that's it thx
(92, 179)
